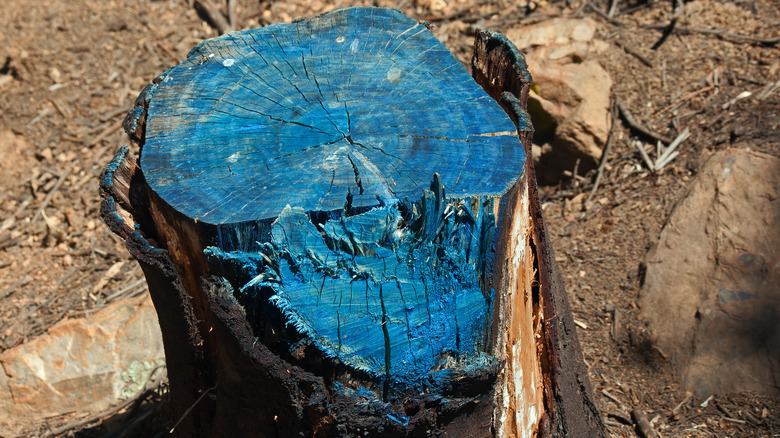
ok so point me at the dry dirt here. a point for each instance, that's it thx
(69, 70)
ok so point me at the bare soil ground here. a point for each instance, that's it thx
(69, 70)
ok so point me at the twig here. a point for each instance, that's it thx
(643, 427)
(660, 164)
(750, 80)
(633, 52)
(575, 173)
(108, 275)
(125, 289)
(616, 320)
(634, 124)
(231, 14)
(621, 417)
(678, 11)
(614, 399)
(678, 102)
(476, 17)
(7, 241)
(116, 112)
(603, 14)
(105, 133)
(37, 118)
(604, 155)
(639, 7)
(719, 33)
(669, 154)
(213, 15)
(643, 153)
(64, 112)
(685, 401)
(679, 8)
(12, 288)
(193, 406)
(50, 195)
(767, 90)
(612, 9)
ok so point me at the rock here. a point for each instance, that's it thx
(562, 40)
(576, 98)
(711, 294)
(80, 365)
(571, 94)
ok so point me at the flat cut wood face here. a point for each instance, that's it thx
(376, 166)
(359, 101)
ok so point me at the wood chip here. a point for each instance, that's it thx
(108, 275)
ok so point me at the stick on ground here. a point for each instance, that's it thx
(604, 155)
(635, 125)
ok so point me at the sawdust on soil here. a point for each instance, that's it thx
(69, 71)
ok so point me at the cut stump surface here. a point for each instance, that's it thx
(303, 114)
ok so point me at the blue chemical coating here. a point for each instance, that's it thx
(361, 101)
(396, 292)
(403, 420)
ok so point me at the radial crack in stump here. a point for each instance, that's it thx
(348, 216)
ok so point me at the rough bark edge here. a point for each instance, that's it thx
(501, 70)
(177, 321)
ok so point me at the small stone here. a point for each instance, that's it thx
(55, 75)
(45, 154)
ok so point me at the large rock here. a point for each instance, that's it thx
(561, 40)
(570, 101)
(712, 289)
(80, 365)
(575, 97)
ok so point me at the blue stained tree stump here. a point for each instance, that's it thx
(340, 198)
(352, 164)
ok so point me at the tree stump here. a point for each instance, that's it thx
(342, 237)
